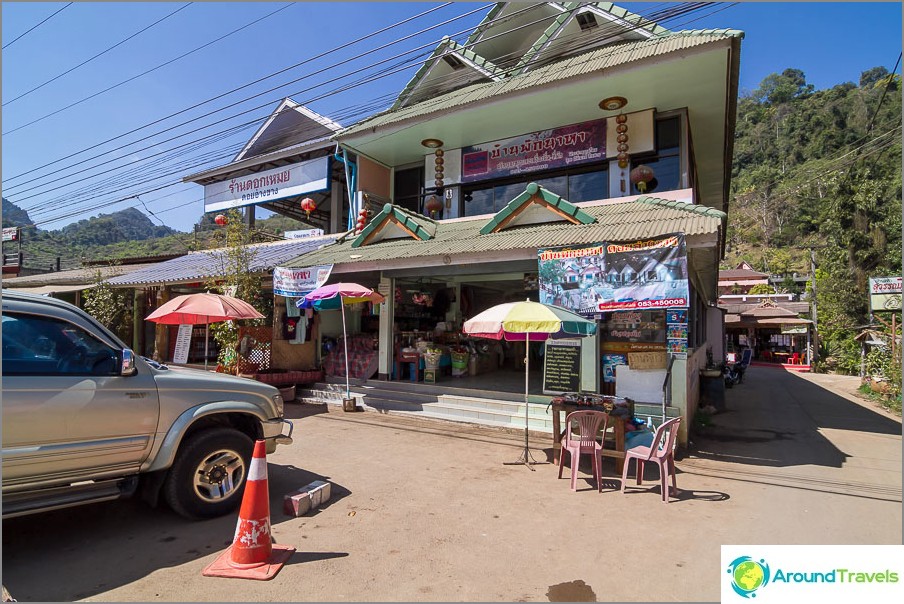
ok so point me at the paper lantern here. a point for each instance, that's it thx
(434, 205)
(640, 176)
(308, 205)
(220, 220)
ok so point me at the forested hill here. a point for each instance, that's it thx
(820, 170)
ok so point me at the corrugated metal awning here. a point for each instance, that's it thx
(44, 290)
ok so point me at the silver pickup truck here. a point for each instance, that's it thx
(86, 420)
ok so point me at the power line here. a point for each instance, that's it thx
(103, 52)
(144, 73)
(8, 44)
(365, 80)
(149, 124)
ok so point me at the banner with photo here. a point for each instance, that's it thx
(603, 277)
(296, 282)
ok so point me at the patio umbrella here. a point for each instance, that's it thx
(531, 322)
(338, 295)
(194, 309)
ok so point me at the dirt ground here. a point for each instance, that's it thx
(424, 510)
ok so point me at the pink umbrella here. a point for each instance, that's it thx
(329, 297)
(192, 309)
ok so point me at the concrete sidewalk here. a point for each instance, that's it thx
(427, 511)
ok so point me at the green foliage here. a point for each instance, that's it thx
(236, 279)
(761, 288)
(112, 307)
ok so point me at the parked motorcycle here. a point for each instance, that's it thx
(731, 374)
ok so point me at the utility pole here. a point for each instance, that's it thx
(813, 306)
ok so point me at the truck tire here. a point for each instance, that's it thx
(208, 476)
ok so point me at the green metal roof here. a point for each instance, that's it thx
(598, 60)
(421, 227)
(623, 221)
(530, 194)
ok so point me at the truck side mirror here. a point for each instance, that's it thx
(128, 363)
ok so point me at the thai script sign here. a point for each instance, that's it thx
(884, 293)
(10, 234)
(297, 282)
(303, 234)
(270, 185)
(562, 366)
(543, 150)
(648, 274)
(183, 344)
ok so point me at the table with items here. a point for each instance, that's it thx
(621, 419)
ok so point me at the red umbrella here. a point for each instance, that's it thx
(193, 309)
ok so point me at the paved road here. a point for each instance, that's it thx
(426, 511)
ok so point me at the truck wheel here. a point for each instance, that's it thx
(208, 477)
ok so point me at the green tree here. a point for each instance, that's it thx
(111, 306)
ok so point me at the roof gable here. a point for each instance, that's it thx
(289, 124)
(536, 206)
(394, 222)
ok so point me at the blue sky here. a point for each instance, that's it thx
(831, 42)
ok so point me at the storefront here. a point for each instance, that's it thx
(619, 140)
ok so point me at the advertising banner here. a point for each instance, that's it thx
(884, 293)
(10, 233)
(649, 274)
(296, 282)
(269, 185)
(543, 150)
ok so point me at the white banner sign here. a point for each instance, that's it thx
(10, 233)
(270, 185)
(296, 282)
(304, 234)
(183, 344)
(884, 293)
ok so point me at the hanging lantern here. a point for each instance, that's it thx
(308, 205)
(434, 206)
(622, 138)
(640, 176)
(220, 220)
(621, 118)
(362, 221)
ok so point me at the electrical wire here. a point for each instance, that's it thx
(371, 78)
(144, 73)
(103, 52)
(34, 27)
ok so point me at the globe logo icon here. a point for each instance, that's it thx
(748, 575)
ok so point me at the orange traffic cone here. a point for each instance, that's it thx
(252, 554)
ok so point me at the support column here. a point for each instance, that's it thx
(386, 353)
(249, 216)
(161, 332)
(137, 320)
(336, 196)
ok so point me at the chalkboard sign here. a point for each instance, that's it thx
(562, 366)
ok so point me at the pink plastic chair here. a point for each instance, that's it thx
(660, 452)
(587, 423)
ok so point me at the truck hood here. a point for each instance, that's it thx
(205, 386)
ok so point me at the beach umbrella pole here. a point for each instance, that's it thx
(526, 458)
(345, 347)
(206, 342)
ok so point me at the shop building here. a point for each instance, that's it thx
(586, 133)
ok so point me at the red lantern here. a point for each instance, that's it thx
(220, 220)
(308, 205)
(640, 176)
(434, 205)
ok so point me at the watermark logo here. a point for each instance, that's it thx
(748, 575)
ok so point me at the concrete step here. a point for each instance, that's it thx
(446, 385)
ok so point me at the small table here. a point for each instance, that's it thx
(618, 422)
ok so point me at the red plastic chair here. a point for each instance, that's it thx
(660, 452)
(584, 440)
(796, 359)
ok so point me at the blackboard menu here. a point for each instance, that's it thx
(562, 366)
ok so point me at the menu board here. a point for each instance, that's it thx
(562, 366)
(183, 343)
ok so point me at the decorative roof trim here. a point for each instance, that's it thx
(689, 207)
(534, 194)
(418, 227)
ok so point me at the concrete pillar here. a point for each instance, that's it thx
(387, 312)
(336, 197)
(161, 332)
(138, 315)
